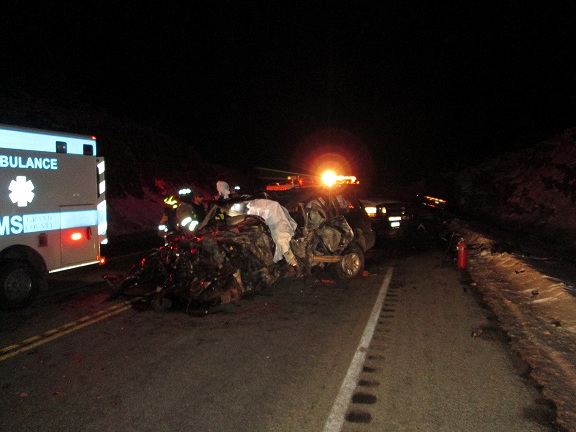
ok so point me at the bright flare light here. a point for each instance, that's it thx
(329, 178)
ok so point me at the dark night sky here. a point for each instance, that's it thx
(403, 89)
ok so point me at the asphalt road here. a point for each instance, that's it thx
(316, 356)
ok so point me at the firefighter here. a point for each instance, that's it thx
(169, 221)
(190, 211)
(223, 189)
(198, 204)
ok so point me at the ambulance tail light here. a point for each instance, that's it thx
(79, 235)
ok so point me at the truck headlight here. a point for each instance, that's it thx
(371, 211)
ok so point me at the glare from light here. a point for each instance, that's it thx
(329, 178)
(238, 209)
(371, 211)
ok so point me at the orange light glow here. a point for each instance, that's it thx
(333, 149)
(278, 187)
(329, 178)
(101, 260)
(76, 236)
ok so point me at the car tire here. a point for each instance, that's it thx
(352, 263)
(19, 285)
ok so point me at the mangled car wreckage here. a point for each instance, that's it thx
(243, 245)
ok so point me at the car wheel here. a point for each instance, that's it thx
(352, 262)
(18, 285)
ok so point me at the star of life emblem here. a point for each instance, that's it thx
(21, 191)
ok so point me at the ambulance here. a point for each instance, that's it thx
(52, 209)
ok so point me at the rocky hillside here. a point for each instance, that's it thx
(533, 191)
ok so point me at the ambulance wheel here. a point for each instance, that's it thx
(351, 264)
(18, 285)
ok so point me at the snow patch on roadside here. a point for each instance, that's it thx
(536, 309)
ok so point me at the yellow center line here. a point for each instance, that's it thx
(50, 335)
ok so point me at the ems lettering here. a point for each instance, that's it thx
(28, 163)
(11, 225)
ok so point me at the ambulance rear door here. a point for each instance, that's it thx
(79, 243)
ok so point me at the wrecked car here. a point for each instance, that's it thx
(244, 245)
(335, 203)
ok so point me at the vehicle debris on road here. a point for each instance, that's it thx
(256, 244)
